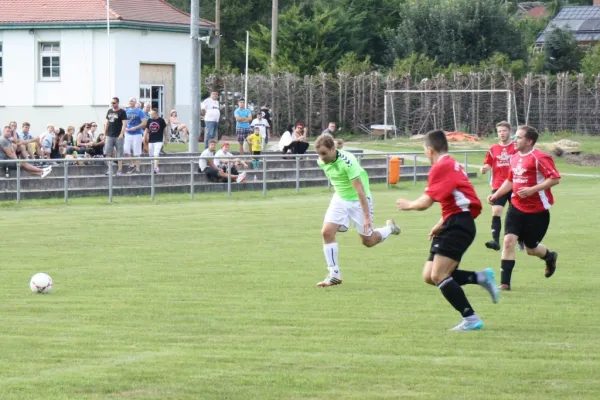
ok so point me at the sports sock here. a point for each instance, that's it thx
(331, 257)
(456, 296)
(464, 277)
(496, 228)
(384, 232)
(506, 268)
(548, 256)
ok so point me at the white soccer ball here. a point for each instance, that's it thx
(41, 283)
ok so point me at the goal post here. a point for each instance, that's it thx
(476, 112)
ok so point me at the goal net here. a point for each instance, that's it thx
(476, 112)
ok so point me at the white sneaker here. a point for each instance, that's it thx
(395, 228)
(241, 177)
(472, 323)
(46, 171)
(330, 280)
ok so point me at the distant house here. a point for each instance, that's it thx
(532, 9)
(58, 64)
(583, 21)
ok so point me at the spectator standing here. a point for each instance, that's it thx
(114, 131)
(136, 122)
(211, 111)
(243, 118)
(264, 128)
(155, 133)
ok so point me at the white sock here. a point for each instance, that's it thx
(331, 256)
(384, 232)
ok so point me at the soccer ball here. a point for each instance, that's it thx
(41, 283)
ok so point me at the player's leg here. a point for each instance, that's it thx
(376, 236)
(497, 209)
(336, 219)
(537, 226)
(513, 229)
(441, 275)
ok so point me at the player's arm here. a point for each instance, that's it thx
(420, 204)
(364, 204)
(487, 162)
(504, 189)
(547, 184)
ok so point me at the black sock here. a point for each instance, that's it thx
(456, 296)
(496, 228)
(464, 277)
(548, 256)
(506, 268)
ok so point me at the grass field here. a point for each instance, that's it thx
(215, 299)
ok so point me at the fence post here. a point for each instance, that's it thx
(414, 169)
(110, 181)
(152, 179)
(18, 181)
(191, 178)
(228, 177)
(265, 177)
(387, 171)
(466, 161)
(66, 184)
(297, 174)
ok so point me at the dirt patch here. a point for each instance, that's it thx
(584, 160)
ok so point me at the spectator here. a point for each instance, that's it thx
(286, 138)
(339, 144)
(58, 144)
(154, 135)
(19, 148)
(98, 145)
(214, 174)
(243, 117)
(265, 111)
(93, 127)
(330, 129)
(264, 128)
(224, 162)
(7, 153)
(32, 144)
(211, 111)
(147, 108)
(299, 145)
(136, 122)
(114, 132)
(255, 144)
(177, 127)
(85, 140)
(46, 140)
(71, 140)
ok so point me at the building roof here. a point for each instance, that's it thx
(150, 13)
(537, 12)
(583, 21)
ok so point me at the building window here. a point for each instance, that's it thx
(0, 60)
(50, 61)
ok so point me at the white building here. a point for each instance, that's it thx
(58, 64)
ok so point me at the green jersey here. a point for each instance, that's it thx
(342, 172)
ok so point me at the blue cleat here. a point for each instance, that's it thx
(472, 323)
(489, 283)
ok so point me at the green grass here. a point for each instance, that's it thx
(215, 299)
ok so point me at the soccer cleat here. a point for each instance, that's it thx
(330, 281)
(521, 246)
(395, 228)
(489, 284)
(504, 287)
(493, 245)
(472, 323)
(46, 171)
(241, 177)
(551, 265)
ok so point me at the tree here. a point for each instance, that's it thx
(562, 51)
(458, 31)
(590, 65)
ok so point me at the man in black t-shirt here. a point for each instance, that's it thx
(266, 114)
(114, 132)
(155, 134)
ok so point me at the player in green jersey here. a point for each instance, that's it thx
(351, 202)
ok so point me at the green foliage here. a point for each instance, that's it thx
(418, 66)
(349, 63)
(562, 51)
(590, 65)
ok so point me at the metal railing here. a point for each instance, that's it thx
(193, 162)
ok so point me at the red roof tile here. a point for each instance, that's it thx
(538, 12)
(68, 11)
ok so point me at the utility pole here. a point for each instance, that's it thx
(218, 33)
(274, 18)
(195, 83)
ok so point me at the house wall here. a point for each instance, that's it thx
(94, 67)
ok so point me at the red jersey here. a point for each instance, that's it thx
(449, 185)
(498, 157)
(527, 170)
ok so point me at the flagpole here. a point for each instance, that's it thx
(108, 39)
(246, 78)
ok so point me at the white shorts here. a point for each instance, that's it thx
(154, 149)
(133, 145)
(341, 212)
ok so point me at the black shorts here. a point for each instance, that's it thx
(212, 174)
(256, 153)
(501, 201)
(11, 166)
(457, 234)
(530, 228)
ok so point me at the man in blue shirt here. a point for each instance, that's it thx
(136, 123)
(243, 118)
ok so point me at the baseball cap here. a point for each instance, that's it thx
(225, 144)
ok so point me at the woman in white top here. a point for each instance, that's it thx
(176, 126)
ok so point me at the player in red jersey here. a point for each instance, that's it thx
(497, 160)
(532, 174)
(449, 185)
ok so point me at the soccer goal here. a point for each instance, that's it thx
(476, 112)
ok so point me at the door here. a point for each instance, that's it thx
(158, 99)
(158, 82)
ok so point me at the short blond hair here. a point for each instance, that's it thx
(325, 139)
